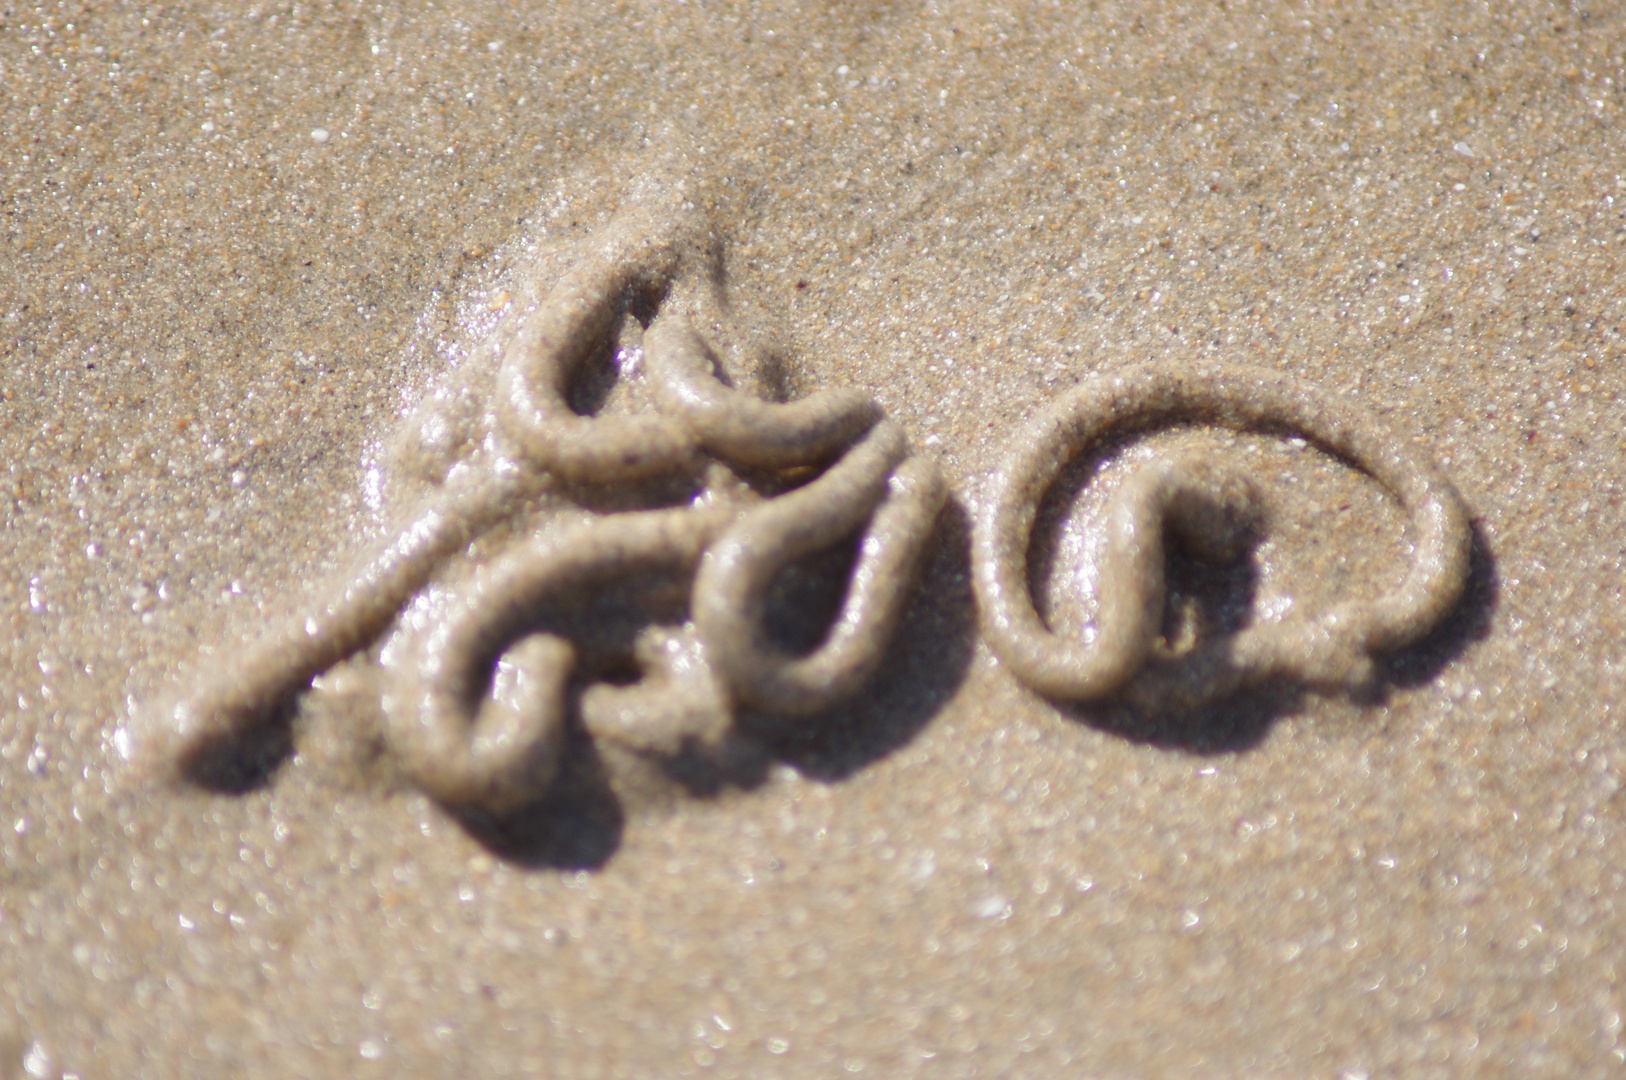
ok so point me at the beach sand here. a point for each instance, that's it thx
(242, 241)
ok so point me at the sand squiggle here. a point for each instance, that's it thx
(1211, 509)
(476, 702)
(479, 687)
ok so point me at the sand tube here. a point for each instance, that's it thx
(477, 708)
(1333, 649)
(739, 428)
(639, 255)
(475, 713)
(900, 504)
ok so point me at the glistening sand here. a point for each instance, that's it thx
(213, 319)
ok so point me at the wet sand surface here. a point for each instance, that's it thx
(242, 242)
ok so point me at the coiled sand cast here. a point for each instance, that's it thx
(479, 687)
(476, 703)
(1212, 510)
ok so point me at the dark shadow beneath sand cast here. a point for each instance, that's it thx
(1243, 720)
(244, 761)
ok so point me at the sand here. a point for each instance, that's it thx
(241, 242)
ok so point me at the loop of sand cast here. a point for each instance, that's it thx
(478, 701)
(1201, 499)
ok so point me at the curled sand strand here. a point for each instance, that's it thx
(739, 428)
(470, 736)
(638, 258)
(461, 740)
(244, 694)
(478, 702)
(730, 594)
(1330, 650)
